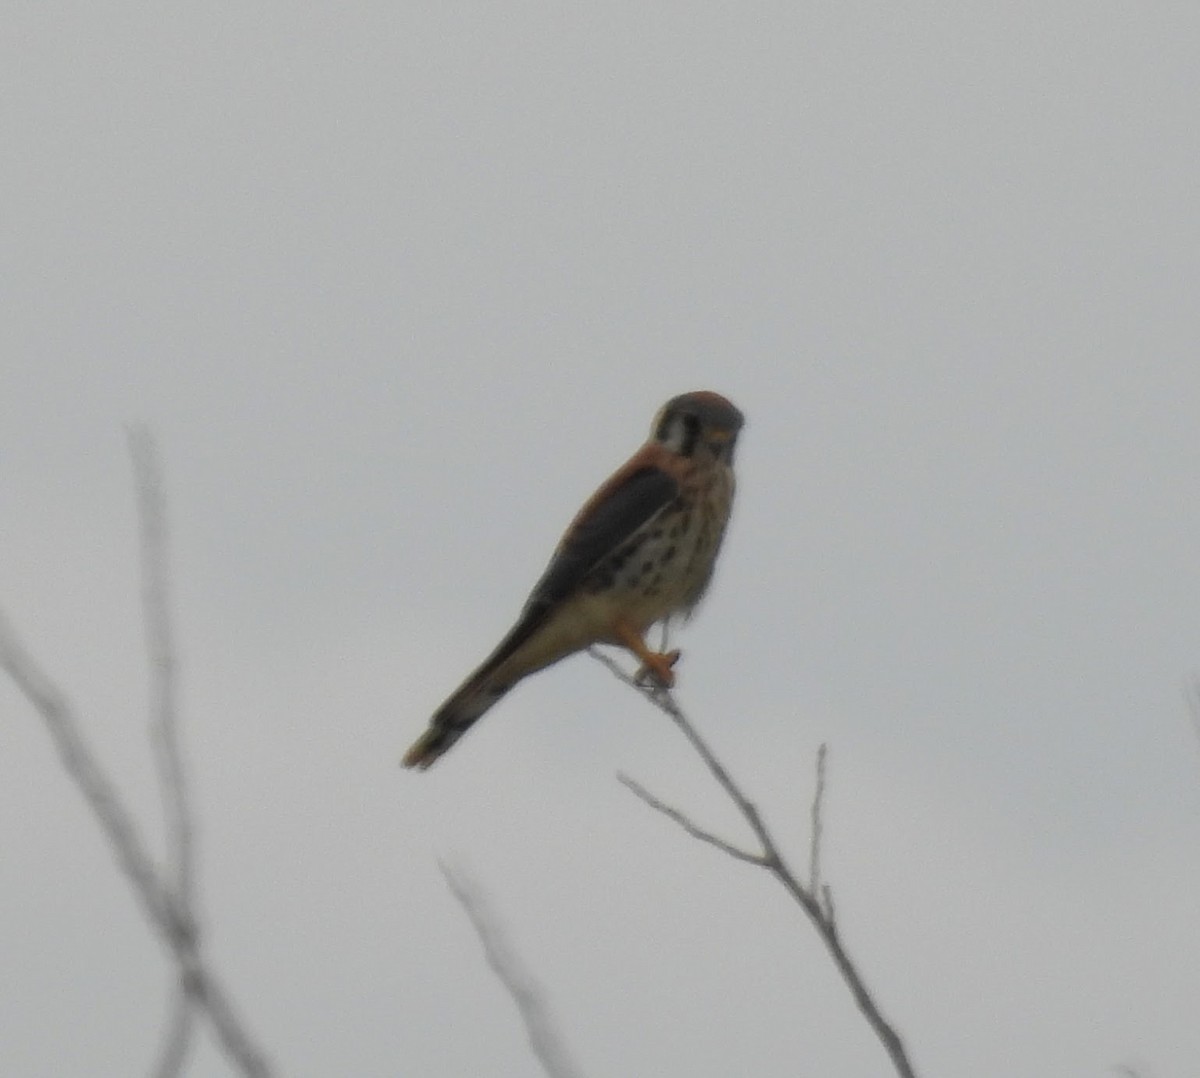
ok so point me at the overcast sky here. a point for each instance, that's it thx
(396, 285)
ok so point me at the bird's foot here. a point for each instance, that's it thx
(656, 667)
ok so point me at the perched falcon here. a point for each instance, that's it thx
(641, 549)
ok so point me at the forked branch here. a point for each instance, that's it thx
(813, 897)
(166, 898)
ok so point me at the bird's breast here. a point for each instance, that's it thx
(665, 566)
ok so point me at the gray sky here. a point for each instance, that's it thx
(396, 285)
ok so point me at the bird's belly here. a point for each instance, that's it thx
(656, 574)
(591, 619)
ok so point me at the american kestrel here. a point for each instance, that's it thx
(641, 549)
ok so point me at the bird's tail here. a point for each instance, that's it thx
(498, 673)
(454, 718)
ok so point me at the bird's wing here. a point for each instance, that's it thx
(635, 494)
(632, 497)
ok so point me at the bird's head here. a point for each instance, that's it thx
(695, 423)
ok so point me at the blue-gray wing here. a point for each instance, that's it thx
(614, 514)
(636, 494)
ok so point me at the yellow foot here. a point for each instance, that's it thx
(657, 665)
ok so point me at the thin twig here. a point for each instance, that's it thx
(79, 762)
(827, 906)
(544, 1038)
(160, 649)
(164, 726)
(817, 905)
(165, 903)
(686, 824)
(665, 702)
(130, 852)
(177, 1035)
(814, 847)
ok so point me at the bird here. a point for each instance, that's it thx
(641, 550)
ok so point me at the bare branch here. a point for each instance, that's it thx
(164, 725)
(817, 904)
(166, 903)
(177, 1038)
(814, 849)
(544, 1039)
(160, 648)
(132, 858)
(685, 823)
(665, 702)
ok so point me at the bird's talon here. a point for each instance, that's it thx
(657, 668)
